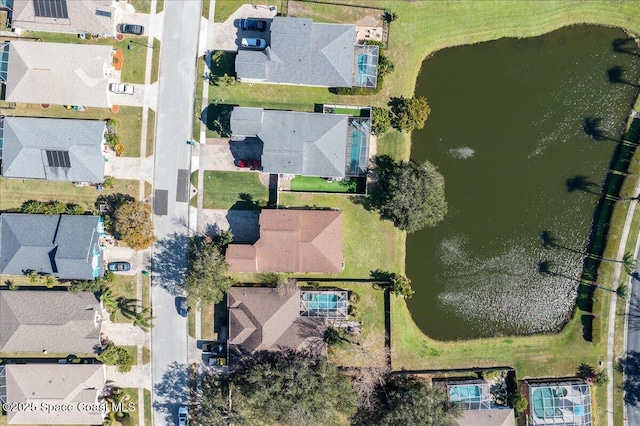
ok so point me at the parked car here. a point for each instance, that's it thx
(118, 266)
(254, 43)
(121, 88)
(181, 306)
(131, 29)
(252, 24)
(254, 164)
(216, 348)
(183, 416)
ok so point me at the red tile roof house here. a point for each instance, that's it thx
(292, 241)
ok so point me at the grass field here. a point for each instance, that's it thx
(155, 60)
(132, 393)
(151, 132)
(316, 184)
(13, 192)
(141, 6)
(147, 407)
(123, 286)
(368, 242)
(226, 190)
(134, 60)
(197, 105)
(129, 120)
(371, 315)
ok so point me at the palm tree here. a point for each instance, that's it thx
(50, 281)
(34, 277)
(144, 320)
(109, 300)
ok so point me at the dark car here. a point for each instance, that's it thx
(251, 24)
(181, 306)
(118, 266)
(131, 29)
(254, 164)
(216, 348)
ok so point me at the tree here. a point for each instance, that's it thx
(55, 207)
(50, 281)
(629, 263)
(114, 355)
(518, 402)
(410, 194)
(73, 208)
(207, 280)
(213, 406)
(381, 120)
(408, 401)
(34, 277)
(400, 286)
(293, 388)
(32, 207)
(622, 291)
(11, 285)
(144, 320)
(133, 225)
(385, 66)
(89, 285)
(408, 114)
(591, 376)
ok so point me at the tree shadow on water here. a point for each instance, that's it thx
(170, 262)
(616, 75)
(173, 391)
(592, 127)
(625, 45)
(581, 183)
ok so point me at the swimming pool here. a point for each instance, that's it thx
(356, 143)
(465, 393)
(320, 301)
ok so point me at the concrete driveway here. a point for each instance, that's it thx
(242, 223)
(137, 99)
(222, 154)
(127, 254)
(226, 35)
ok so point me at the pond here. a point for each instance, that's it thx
(507, 132)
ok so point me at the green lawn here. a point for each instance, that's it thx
(197, 105)
(206, 319)
(146, 355)
(134, 60)
(147, 407)
(371, 315)
(316, 184)
(123, 286)
(132, 393)
(151, 132)
(129, 120)
(368, 242)
(226, 190)
(155, 60)
(224, 9)
(159, 6)
(16, 191)
(141, 6)
(205, 8)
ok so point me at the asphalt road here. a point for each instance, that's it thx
(172, 163)
(631, 361)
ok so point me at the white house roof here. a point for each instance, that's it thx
(58, 73)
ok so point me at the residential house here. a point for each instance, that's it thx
(48, 321)
(304, 143)
(264, 319)
(474, 397)
(95, 17)
(301, 52)
(54, 385)
(53, 149)
(559, 402)
(66, 246)
(58, 73)
(292, 241)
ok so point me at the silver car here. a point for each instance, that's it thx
(121, 88)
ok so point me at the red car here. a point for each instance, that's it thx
(254, 164)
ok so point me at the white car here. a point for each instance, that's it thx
(253, 43)
(183, 416)
(121, 88)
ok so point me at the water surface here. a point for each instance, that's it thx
(506, 133)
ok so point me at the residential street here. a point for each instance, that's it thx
(171, 196)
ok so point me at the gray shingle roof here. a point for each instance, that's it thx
(301, 143)
(54, 384)
(58, 73)
(302, 52)
(63, 245)
(82, 17)
(55, 321)
(26, 140)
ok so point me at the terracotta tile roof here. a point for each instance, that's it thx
(292, 241)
